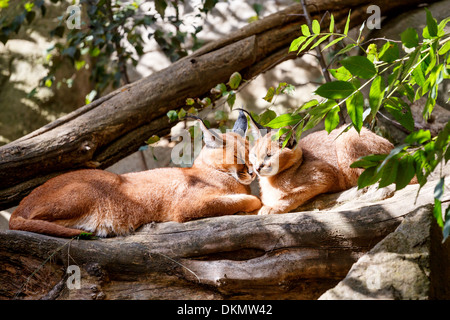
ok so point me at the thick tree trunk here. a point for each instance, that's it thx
(114, 126)
(285, 256)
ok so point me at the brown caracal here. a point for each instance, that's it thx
(107, 204)
(318, 163)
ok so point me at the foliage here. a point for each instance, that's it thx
(110, 38)
(394, 80)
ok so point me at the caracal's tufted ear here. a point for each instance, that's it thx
(241, 124)
(258, 131)
(211, 138)
(292, 142)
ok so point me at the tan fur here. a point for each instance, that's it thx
(106, 204)
(317, 164)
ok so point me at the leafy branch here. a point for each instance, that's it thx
(410, 77)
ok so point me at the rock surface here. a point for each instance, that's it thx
(398, 267)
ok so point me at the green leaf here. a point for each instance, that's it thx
(446, 228)
(284, 120)
(160, 6)
(347, 23)
(94, 52)
(231, 99)
(181, 114)
(79, 64)
(389, 172)
(406, 90)
(332, 43)
(410, 38)
(444, 48)
(367, 178)
(206, 101)
(4, 4)
(308, 42)
(359, 66)
(335, 90)
(266, 117)
(90, 96)
(431, 30)
(219, 89)
(376, 94)
(28, 6)
(429, 106)
(286, 139)
(332, 23)
(401, 112)
(355, 109)
(405, 172)
(297, 43)
(281, 87)
(190, 101)
(153, 139)
(270, 94)
(443, 138)
(347, 48)
(332, 119)
(172, 115)
(418, 76)
(307, 105)
(431, 59)
(442, 25)
(287, 89)
(192, 110)
(389, 52)
(325, 37)
(368, 161)
(305, 30)
(418, 137)
(315, 26)
(323, 108)
(235, 80)
(394, 152)
(437, 211)
(341, 74)
(372, 52)
(279, 133)
(412, 60)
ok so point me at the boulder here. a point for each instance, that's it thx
(410, 263)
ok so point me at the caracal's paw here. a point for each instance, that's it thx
(265, 210)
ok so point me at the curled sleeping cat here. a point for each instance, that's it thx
(107, 204)
(318, 163)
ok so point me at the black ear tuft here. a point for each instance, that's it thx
(241, 124)
(292, 142)
(258, 131)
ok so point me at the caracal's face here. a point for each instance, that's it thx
(232, 158)
(269, 158)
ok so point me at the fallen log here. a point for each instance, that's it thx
(116, 125)
(287, 256)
